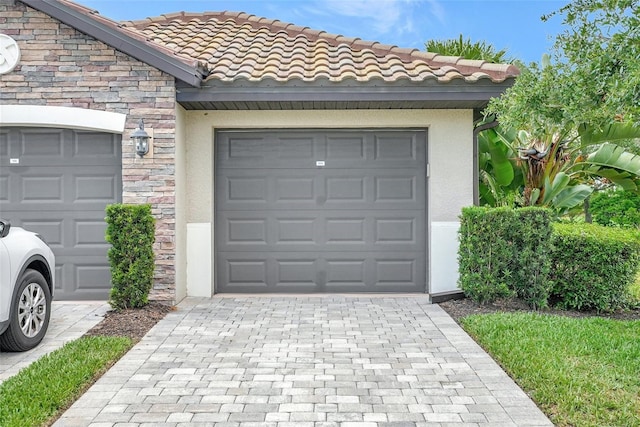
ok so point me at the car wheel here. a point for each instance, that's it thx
(30, 313)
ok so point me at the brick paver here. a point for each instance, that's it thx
(341, 361)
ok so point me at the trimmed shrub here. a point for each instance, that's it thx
(503, 252)
(484, 255)
(532, 247)
(616, 208)
(593, 266)
(131, 232)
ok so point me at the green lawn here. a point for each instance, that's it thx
(39, 392)
(580, 371)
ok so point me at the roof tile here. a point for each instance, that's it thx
(237, 46)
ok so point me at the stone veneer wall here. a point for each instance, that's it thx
(60, 66)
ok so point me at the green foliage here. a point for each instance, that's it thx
(556, 170)
(590, 94)
(532, 244)
(580, 372)
(484, 273)
(468, 50)
(616, 208)
(131, 232)
(598, 57)
(595, 77)
(594, 266)
(512, 256)
(40, 391)
(500, 177)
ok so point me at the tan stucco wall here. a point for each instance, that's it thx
(450, 149)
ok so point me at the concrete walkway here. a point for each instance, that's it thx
(69, 320)
(340, 361)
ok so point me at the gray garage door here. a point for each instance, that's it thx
(320, 211)
(58, 182)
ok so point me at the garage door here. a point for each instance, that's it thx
(58, 182)
(320, 211)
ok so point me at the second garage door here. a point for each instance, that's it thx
(57, 182)
(320, 211)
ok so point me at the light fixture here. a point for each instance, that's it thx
(141, 139)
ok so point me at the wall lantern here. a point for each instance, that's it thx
(141, 139)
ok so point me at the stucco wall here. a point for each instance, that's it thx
(60, 66)
(450, 157)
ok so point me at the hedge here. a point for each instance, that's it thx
(503, 252)
(616, 208)
(131, 232)
(594, 266)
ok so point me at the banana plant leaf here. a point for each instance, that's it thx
(572, 196)
(502, 166)
(486, 196)
(553, 188)
(614, 156)
(535, 195)
(627, 181)
(610, 133)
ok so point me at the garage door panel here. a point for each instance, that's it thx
(59, 188)
(37, 146)
(296, 148)
(41, 187)
(96, 187)
(295, 189)
(81, 279)
(397, 147)
(91, 146)
(299, 273)
(4, 189)
(60, 147)
(4, 146)
(319, 272)
(346, 147)
(320, 231)
(320, 188)
(68, 233)
(303, 149)
(58, 185)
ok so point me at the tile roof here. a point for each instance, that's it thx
(237, 46)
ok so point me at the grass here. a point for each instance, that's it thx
(580, 371)
(40, 391)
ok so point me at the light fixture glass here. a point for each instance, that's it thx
(141, 139)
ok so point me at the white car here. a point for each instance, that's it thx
(27, 269)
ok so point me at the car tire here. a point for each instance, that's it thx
(30, 313)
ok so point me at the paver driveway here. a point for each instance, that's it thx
(305, 361)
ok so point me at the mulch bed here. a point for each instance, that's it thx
(133, 323)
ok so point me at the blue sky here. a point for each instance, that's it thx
(514, 25)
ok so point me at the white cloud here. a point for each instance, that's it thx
(381, 16)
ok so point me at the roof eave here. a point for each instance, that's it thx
(118, 40)
(464, 95)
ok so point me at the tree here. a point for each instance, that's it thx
(565, 110)
(468, 50)
(594, 79)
